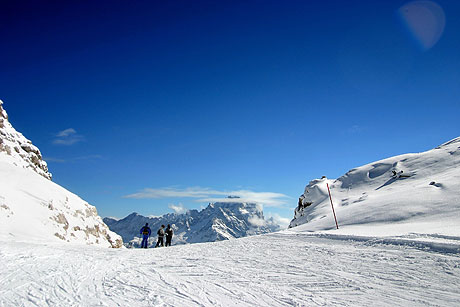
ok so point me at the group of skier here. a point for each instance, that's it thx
(162, 232)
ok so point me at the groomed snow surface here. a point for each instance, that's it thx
(288, 268)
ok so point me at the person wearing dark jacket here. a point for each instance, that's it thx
(169, 234)
(161, 234)
(145, 232)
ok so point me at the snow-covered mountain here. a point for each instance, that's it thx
(410, 193)
(218, 221)
(32, 207)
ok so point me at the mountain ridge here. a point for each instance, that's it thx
(216, 222)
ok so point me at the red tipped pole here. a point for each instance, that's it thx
(333, 211)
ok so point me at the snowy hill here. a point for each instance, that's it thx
(411, 193)
(33, 208)
(218, 221)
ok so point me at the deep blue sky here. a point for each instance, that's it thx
(226, 95)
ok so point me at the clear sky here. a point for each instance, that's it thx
(194, 100)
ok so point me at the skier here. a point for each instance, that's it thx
(145, 232)
(169, 235)
(161, 234)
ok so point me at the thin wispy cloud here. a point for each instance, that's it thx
(73, 159)
(207, 195)
(67, 137)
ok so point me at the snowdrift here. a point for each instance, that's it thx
(411, 193)
(33, 208)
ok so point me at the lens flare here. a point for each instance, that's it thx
(425, 21)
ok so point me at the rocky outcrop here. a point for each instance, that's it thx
(20, 149)
(35, 209)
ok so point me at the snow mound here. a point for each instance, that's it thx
(411, 193)
(217, 222)
(21, 150)
(33, 208)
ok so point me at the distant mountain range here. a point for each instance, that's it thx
(218, 221)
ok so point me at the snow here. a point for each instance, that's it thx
(398, 243)
(33, 208)
(218, 221)
(19, 149)
(370, 200)
(288, 268)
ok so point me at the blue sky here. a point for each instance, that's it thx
(183, 102)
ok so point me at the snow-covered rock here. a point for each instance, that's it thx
(23, 152)
(33, 208)
(410, 193)
(218, 221)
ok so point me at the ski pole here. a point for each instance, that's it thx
(333, 211)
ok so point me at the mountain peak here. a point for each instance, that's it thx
(218, 221)
(20, 150)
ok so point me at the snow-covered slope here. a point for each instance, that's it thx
(411, 193)
(218, 221)
(288, 268)
(33, 208)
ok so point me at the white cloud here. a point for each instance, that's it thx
(257, 221)
(282, 221)
(66, 132)
(179, 208)
(67, 137)
(269, 199)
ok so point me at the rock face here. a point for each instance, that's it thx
(16, 145)
(218, 221)
(412, 192)
(33, 208)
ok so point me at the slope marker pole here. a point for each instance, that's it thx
(333, 211)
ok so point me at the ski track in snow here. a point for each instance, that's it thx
(281, 269)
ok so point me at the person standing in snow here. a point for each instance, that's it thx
(145, 232)
(169, 235)
(161, 234)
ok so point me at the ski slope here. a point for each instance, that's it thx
(288, 268)
(410, 193)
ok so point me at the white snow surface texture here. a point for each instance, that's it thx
(33, 208)
(288, 268)
(371, 200)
